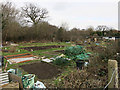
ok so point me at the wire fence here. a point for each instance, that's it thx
(110, 79)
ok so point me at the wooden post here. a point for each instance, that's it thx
(15, 78)
(6, 66)
(113, 65)
(95, 39)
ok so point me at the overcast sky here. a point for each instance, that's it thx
(78, 13)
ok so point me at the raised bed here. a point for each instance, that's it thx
(42, 47)
(20, 58)
(42, 70)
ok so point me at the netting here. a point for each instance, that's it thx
(76, 52)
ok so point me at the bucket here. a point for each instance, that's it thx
(11, 71)
(80, 64)
(28, 81)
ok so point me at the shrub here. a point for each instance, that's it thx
(109, 52)
(80, 79)
(61, 61)
(12, 49)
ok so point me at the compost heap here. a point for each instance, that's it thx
(76, 53)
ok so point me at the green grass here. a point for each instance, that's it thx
(39, 53)
(15, 53)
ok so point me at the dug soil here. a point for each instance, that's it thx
(42, 70)
(42, 47)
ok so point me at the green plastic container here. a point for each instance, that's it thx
(28, 81)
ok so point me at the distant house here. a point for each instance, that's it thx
(111, 38)
(105, 37)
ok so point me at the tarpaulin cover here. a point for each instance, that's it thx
(76, 52)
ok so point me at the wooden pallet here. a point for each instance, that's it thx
(4, 80)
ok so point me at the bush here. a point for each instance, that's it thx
(61, 61)
(12, 49)
(109, 52)
(80, 79)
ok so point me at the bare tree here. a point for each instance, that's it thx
(65, 26)
(90, 30)
(102, 28)
(9, 13)
(34, 14)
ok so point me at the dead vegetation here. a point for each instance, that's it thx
(82, 79)
(12, 49)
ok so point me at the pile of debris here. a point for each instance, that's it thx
(16, 80)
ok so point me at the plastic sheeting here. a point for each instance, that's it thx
(0, 64)
(39, 85)
(19, 60)
(47, 60)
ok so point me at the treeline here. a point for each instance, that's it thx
(28, 24)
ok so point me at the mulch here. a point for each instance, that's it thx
(42, 70)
